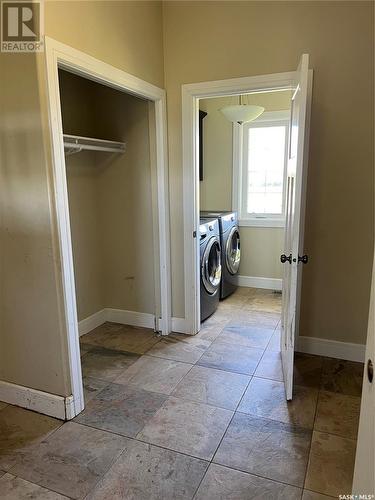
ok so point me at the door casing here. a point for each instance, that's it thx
(59, 55)
(191, 94)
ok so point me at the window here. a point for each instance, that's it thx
(261, 170)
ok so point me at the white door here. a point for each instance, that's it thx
(364, 471)
(294, 225)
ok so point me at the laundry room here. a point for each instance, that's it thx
(242, 166)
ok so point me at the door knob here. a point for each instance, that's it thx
(370, 371)
(284, 258)
(304, 259)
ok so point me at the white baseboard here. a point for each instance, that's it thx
(91, 322)
(258, 282)
(331, 348)
(145, 320)
(41, 402)
(122, 316)
(132, 318)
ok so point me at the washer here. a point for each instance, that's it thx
(210, 266)
(230, 249)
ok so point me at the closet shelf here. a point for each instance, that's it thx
(75, 144)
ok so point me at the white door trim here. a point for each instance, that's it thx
(59, 55)
(191, 93)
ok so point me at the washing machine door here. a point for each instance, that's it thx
(233, 251)
(211, 266)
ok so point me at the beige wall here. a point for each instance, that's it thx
(217, 40)
(110, 199)
(78, 109)
(31, 349)
(82, 172)
(126, 34)
(126, 216)
(32, 336)
(215, 191)
(261, 247)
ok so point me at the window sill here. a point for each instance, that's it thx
(259, 222)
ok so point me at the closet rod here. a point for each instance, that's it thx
(75, 144)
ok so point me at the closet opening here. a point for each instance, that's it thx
(110, 183)
(110, 180)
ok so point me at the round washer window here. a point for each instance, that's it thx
(211, 266)
(233, 251)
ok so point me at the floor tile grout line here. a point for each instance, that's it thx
(271, 379)
(226, 371)
(313, 425)
(214, 453)
(169, 359)
(182, 341)
(138, 440)
(118, 351)
(157, 392)
(173, 359)
(335, 435)
(258, 475)
(200, 482)
(104, 474)
(171, 394)
(250, 474)
(270, 420)
(226, 430)
(252, 376)
(114, 381)
(209, 462)
(327, 432)
(234, 411)
(63, 422)
(167, 397)
(240, 345)
(36, 484)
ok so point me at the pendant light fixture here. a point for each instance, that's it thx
(241, 113)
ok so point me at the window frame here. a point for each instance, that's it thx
(240, 146)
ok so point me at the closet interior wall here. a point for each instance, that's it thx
(110, 198)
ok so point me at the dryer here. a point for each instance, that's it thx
(230, 249)
(210, 266)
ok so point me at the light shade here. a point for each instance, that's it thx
(242, 113)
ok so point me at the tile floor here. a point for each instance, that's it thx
(199, 417)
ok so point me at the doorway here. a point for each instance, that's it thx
(74, 64)
(298, 84)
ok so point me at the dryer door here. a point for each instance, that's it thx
(233, 251)
(211, 266)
